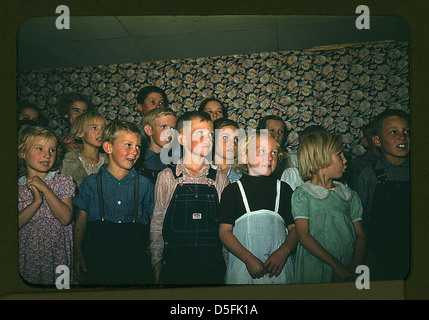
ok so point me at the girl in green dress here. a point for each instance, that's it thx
(328, 215)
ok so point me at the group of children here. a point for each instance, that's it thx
(195, 200)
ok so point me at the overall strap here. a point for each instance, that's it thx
(380, 174)
(243, 195)
(278, 196)
(101, 202)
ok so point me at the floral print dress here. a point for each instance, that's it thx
(44, 243)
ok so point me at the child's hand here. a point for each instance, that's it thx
(275, 263)
(37, 196)
(255, 267)
(37, 183)
(341, 273)
(79, 265)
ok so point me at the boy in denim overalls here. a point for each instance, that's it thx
(184, 242)
(385, 192)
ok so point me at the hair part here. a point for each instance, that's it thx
(379, 119)
(248, 144)
(212, 99)
(150, 118)
(191, 116)
(80, 124)
(315, 152)
(66, 100)
(111, 131)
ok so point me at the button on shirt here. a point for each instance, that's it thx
(118, 196)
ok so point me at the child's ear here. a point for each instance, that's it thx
(377, 141)
(21, 155)
(79, 135)
(148, 130)
(182, 139)
(107, 147)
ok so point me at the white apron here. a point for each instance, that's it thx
(261, 232)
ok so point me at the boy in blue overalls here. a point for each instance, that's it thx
(184, 242)
(384, 189)
(112, 224)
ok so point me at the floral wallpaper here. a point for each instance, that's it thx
(341, 89)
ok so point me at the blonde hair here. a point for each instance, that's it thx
(80, 124)
(315, 152)
(248, 142)
(112, 129)
(26, 138)
(152, 115)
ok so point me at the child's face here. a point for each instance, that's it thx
(277, 128)
(124, 151)
(262, 161)
(394, 139)
(214, 108)
(28, 114)
(337, 167)
(154, 100)
(162, 133)
(92, 135)
(40, 156)
(75, 110)
(199, 141)
(226, 143)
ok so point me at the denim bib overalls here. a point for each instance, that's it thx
(389, 229)
(192, 249)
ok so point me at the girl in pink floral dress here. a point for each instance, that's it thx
(44, 208)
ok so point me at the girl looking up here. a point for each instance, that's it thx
(256, 223)
(227, 135)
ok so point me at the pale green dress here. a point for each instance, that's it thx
(330, 214)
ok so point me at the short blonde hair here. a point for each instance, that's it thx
(80, 124)
(27, 136)
(152, 115)
(112, 129)
(315, 152)
(248, 142)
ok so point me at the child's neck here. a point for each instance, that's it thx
(193, 165)
(91, 154)
(32, 173)
(394, 160)
(321, 180)
(117, 172)
(154, 147)
(221, 163)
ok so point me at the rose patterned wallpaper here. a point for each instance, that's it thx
(340, 89)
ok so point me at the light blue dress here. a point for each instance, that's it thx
(330, 215)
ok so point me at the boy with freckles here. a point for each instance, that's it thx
(385, 192)
(112, 223)
(184, 242)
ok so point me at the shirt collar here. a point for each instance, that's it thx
(383, 163)
(130, 176)
(320, 192)
(49, 176)
(181, 168)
